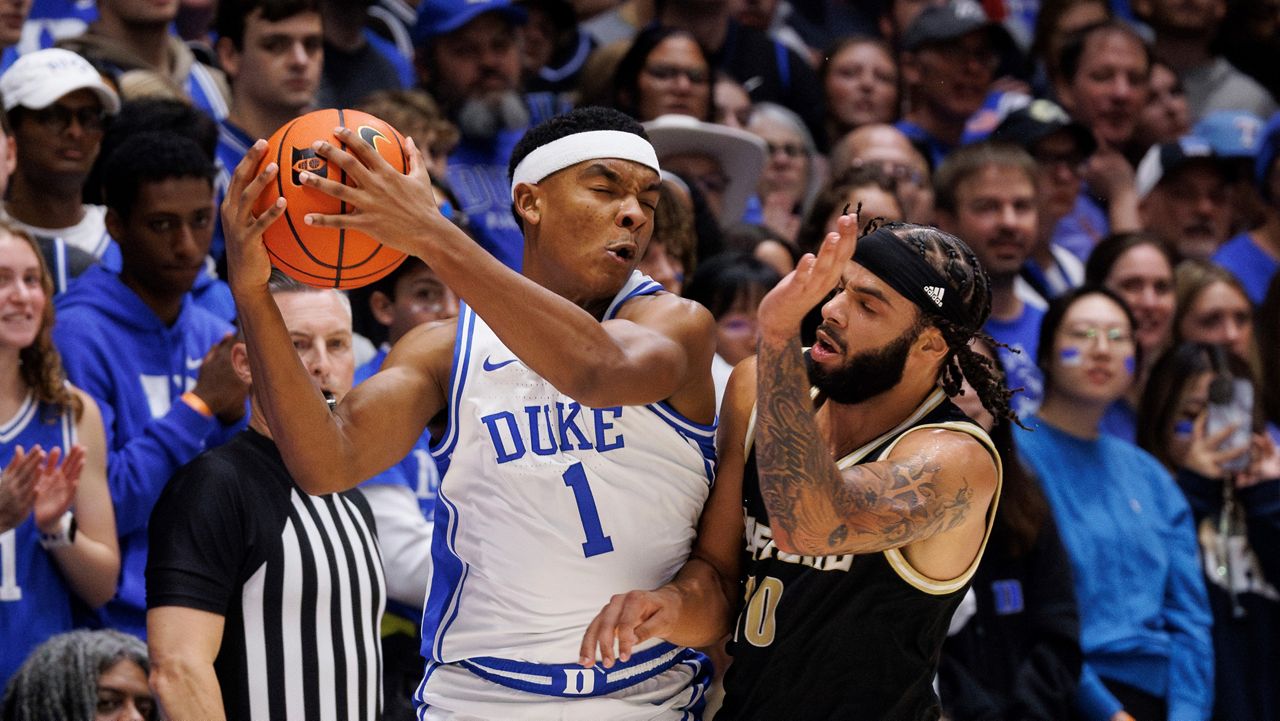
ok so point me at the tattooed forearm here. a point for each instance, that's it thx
(816, 509)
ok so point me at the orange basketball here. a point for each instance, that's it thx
(324, 257)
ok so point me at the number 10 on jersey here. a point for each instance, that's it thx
(597, 543)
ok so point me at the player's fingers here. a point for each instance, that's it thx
(363, 150)
(51, 460)
(331, 188)
(249, 194)
(345, 161)
(245, 170)
(587, 649)
(417, 163)
(607, 633)
(345, 221)
(264, 221)
(657, 624)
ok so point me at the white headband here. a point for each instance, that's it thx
(573, 149)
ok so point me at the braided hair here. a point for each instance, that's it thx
(966, 279)
(59, 680)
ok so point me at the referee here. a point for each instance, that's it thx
(265, 602)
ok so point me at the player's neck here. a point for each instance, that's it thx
(847, 427)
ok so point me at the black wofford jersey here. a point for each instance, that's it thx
(841, 637)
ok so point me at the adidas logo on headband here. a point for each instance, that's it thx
(935, 293)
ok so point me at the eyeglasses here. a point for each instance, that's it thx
(1075, 162)
(791, 150)
(900, 172)
(1083, 336)
(58, 118)
(671, 72)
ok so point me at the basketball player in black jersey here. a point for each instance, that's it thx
(864, 496)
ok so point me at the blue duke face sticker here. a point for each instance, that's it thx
(1131, 364)
(1071, 357)
(1182, 429)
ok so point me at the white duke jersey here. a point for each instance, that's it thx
(548, 507)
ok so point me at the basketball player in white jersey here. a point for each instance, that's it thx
(579, 448)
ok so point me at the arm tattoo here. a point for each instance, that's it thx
(822, 510)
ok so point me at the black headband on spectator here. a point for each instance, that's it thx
(906, 271)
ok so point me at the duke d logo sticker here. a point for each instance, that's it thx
(306, 159)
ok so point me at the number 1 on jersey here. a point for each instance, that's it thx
(597, 543)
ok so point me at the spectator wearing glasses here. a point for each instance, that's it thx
(792, 170)
(1147, 647)
(664, 72)
(1060, 148)
(949, 59)
(887, 148)
(58, 107)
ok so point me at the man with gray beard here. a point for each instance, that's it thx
(468, 57)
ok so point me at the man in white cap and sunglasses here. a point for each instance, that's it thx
(580, 410)
(58, 106)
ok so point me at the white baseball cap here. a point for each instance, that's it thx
(36, 80)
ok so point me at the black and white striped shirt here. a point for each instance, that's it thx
(298, 579)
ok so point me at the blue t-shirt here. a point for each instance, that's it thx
(1250, 263)
(1022, 335)
(1081, 228)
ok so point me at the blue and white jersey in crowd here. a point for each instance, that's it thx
(35, 601)
(549, 507)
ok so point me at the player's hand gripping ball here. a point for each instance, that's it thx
(324, 257)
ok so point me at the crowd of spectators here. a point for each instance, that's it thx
(1114, 165)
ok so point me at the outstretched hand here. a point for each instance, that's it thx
(18, 486)
(398, 210)
(247, 261)
(784, 307)
(56, 489)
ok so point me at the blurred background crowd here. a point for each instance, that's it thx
(1127, 145)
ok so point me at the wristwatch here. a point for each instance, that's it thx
(63, 537)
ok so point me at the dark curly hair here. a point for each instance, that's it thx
(41, 366)
(966, 279)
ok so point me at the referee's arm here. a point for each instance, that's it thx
(183, 643)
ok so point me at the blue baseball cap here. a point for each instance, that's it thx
(1231, 133)
(1267, 151)
(437, 17)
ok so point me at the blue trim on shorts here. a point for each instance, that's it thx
(571, 680)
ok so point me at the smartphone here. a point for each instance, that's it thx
(1231, 403)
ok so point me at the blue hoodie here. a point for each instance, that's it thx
(117, 350)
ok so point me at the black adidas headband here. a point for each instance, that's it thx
(906, 271)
